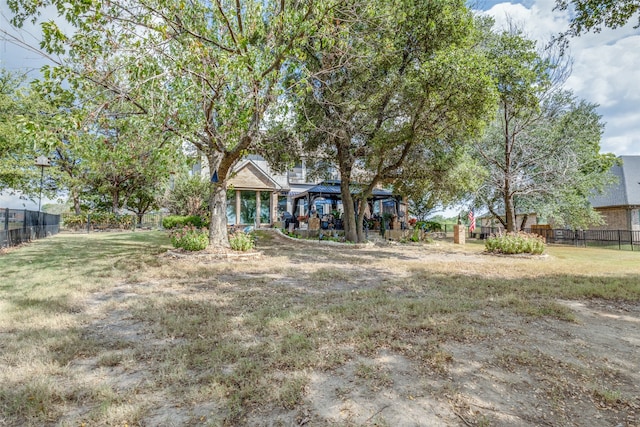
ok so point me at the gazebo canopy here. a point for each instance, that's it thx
(331, 190)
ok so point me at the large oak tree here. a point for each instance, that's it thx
(385, 82)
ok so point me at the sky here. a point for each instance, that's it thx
(606, 65)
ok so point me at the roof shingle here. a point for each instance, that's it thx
(625, 192)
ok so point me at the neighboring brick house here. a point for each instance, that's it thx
(619, 204)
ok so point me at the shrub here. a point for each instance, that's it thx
(240, 241)
(169, 222)
(75, 221)
(100, 219)
(111, 220)
(428, 225)
(189, 238)
(515, 243)
(124, 221)
(179, 221)
(189, 196)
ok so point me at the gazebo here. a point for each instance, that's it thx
(325, 201)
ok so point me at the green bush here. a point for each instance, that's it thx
(169, 222)
(515, 243)
(189, 238)
(240, 241)
(428, 225)
(111, 220)
(75, 221)
(189, 196)
(100, 219)
(124, 221)
(179, 221)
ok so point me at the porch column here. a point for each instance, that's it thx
(274, 207)
(238, 207)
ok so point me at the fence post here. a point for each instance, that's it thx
(631, 238)
(88, 223)
(619, 240)
(6, 229)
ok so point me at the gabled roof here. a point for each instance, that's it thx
(248, 175)
(625, 192)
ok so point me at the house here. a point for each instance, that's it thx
(260, 196)
(619, 204)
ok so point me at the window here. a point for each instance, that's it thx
(265, 207)
(247, 207)
(231, 207)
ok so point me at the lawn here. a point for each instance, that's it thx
(107, 329)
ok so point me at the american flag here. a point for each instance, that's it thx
(472, 221)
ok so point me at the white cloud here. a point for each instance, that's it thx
(606, 68)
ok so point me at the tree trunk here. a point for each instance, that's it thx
(349, 217)
(76, 202)
(116, 201)
(510, 213)
(525, 217)
(509, 207)
(360, 221)
(362, 209)
(218, 215)
(345, 164)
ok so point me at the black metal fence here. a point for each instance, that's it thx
(22, 225)
(622, 239)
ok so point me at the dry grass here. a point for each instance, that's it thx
(106, 330)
